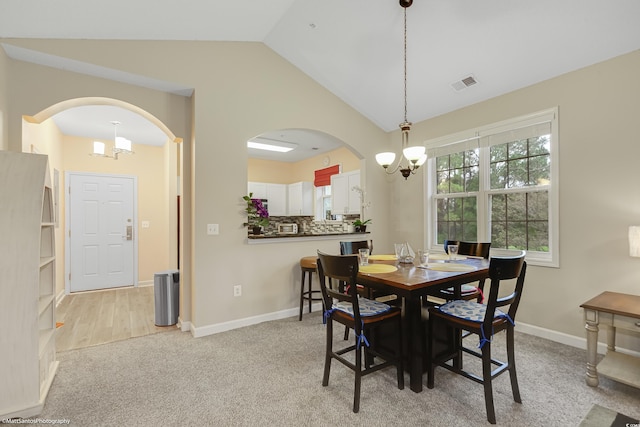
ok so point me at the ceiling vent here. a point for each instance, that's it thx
(464, 83)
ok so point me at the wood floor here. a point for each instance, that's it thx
(100, 317)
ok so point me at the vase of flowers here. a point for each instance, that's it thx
(257, 214)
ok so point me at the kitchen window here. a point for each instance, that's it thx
(498, 183)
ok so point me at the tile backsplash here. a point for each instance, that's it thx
(307, 224)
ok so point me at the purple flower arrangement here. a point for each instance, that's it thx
(257, 214)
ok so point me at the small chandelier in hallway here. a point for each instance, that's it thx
(121, 145)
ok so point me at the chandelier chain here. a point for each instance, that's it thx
(405, 65)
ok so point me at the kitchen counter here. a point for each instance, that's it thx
(276, 238)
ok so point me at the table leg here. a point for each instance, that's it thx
(611, 339)
(591, 318)
(414, 335)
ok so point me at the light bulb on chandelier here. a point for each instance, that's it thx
(121, 145)
(415, 155)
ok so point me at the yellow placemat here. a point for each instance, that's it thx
(440, 257)
(378, 268)
(442, 266)
(383, 257)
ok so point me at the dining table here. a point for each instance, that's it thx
(412, 283)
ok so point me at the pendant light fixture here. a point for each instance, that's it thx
(120, 145)
(415, 155)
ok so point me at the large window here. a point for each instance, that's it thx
(497, 183)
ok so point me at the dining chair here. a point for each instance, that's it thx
(467, 291)
(484, 321)
(348, 248)
(361, 314)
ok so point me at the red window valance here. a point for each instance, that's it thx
(323, 176)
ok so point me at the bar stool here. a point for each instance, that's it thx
(308, 265)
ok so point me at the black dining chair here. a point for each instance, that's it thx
(467, 291)
(484, 321)
(349, 248)
(361, 314)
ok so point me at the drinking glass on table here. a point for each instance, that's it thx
(398, 247)
(453, 252)
(363, 255)
(423, 258)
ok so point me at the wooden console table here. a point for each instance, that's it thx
(613, 310)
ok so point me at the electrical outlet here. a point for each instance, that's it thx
(237, 290)
(213, 229)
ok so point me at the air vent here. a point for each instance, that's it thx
(464, 83)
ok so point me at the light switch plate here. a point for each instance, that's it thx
(213, 229)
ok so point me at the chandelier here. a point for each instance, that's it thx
(121, 145)
(415, 155)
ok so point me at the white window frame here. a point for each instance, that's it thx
(480, 137)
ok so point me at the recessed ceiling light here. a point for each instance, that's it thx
(281, 147)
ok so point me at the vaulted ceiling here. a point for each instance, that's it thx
(354, 48)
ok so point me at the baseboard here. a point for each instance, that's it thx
(570, 340)
(555, 336)
(60, 297)
(202, 331)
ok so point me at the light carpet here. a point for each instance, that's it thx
(271, 374)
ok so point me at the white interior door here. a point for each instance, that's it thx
(101, 234)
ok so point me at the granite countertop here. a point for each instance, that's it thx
(280, 236)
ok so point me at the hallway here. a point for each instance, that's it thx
(100, 317)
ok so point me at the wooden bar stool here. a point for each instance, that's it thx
(308, 265)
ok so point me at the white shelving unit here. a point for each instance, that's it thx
(27, 292)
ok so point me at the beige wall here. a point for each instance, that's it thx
(288, 173)
(235, 100)
(4, 101)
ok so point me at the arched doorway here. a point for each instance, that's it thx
(157, 170)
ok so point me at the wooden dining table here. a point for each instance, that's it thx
(411, 283)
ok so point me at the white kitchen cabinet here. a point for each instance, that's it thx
(258, 190)
(343, 199)
(276, 195)
(27, 296)
(300, 199)
(277, 199)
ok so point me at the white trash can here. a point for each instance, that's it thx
(167, 297)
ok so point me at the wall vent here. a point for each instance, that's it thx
(464, 83)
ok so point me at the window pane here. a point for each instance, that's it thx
(520, 221)
(498, 153)
(457, 219)
(457, 160)
(539, 145)
(539, 170)
(442, 163)
(443, 182)
(499, 175)
(518, 173)
(472, 178)
(458, 172)
(529, 163)
(538, 206)
(517, 149)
